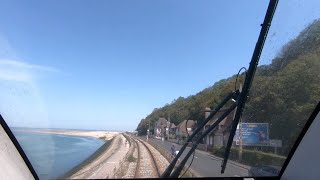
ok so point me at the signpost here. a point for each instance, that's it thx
(275, 143)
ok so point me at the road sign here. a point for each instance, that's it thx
(253, 134)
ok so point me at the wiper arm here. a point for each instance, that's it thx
(169, 169)
(177, 172)
(241, 101)
(249, 77)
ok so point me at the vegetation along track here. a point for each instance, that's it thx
(147, 166)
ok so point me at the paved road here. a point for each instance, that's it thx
(206, 165)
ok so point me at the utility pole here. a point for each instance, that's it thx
(240, 132)
(148, 129)
(168, 127)
(240, 141)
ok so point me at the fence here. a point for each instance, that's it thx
(162, 150)
(202, 147)
(165, 153)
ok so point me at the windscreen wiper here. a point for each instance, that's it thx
(167, 172)
(249, 77)
(178, 170)
(241, 100)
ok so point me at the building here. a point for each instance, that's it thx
(185, 128)
(219, 135)
(172, 129)
(160, 128)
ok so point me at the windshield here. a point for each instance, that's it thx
(113, 89)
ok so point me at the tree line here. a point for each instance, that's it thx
(283, 94)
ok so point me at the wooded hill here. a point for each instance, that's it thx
(283, 94)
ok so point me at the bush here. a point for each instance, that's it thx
(251, 157)
(131, 158)
(218, 151)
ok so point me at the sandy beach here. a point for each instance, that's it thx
(105, 135)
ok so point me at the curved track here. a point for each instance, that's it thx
(147, 166)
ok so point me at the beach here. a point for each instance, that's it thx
(104, 135)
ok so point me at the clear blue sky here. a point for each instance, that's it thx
(108, 64)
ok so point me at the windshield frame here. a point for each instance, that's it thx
(299, 139)
(18, 147)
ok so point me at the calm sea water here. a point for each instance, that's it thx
(53, 155)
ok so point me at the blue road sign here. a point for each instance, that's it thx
(253, 134)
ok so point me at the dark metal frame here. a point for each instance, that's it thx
(18, 147)
(299, 139)
(241, 99)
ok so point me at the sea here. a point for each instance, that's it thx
(53, 155)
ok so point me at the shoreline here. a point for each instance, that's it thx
(105, 164)
(103, 135)
(107, 137)
(87, 161)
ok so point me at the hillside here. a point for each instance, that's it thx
(284, 93)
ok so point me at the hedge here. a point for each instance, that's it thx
(251, 157)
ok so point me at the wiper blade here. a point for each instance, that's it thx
(177, 172)
(241, 101)
(249, 77)
(169, 169)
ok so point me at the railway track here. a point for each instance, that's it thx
(147, 166)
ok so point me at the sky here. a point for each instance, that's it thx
(105, 65)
